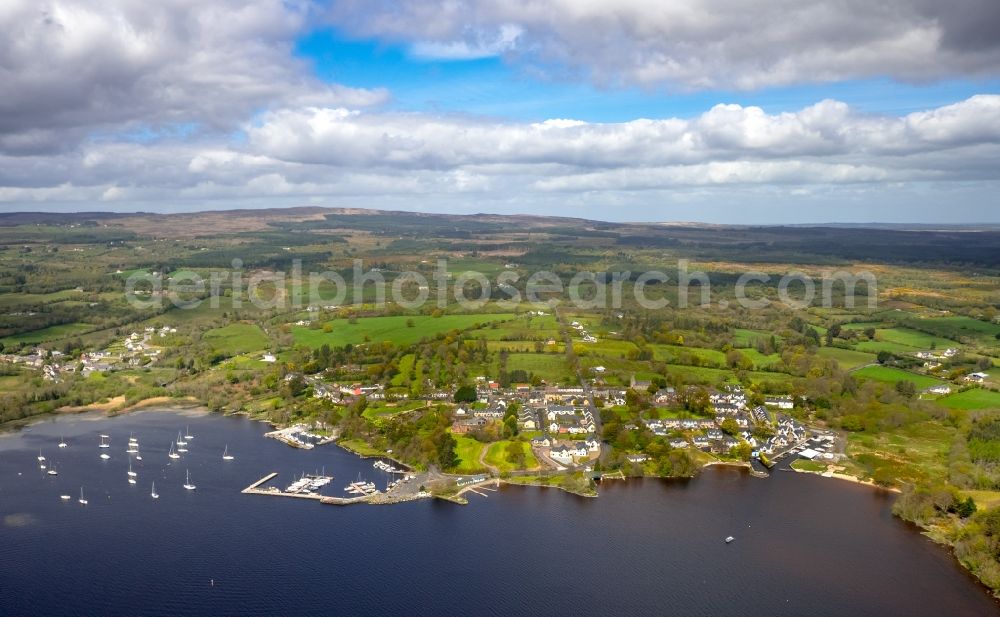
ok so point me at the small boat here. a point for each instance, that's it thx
(187, 433)
(40, 457)
(62, 442)
(82, 500)
(138, 457)
(53, 472)
(182, 449)
(173, 454)
(41, 466)
(729, 539)
(153, 493)
(105, 455)
(188, 484)
(104, 443)
(226, 456)
(180, 441)
(131, 480)
(64, 497)
(131, 473)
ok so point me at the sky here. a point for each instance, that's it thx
(721, 111)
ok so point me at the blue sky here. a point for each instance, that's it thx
(493, 87)
(804, 111)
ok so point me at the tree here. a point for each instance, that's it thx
(730, 427)
(296, 385)
(445, 445)
(465, 394)
(966, 508)
(906, 388)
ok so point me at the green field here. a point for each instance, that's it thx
(605, 347)
(497, 456)
(888, 374)
(847, 358)
(863, 325)
(962, 327)
(237, 338)
(912, 338)
(24, 299)
(468, 449)
(393, 329)
(550, 367)
(45, 335)
(877, 346)
(746, 338)
(976, 398)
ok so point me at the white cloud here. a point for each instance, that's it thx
(73, 67)
(697, 44)
(335, 153)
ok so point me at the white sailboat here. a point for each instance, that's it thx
(153, 493)
(53, 472)
(187, 432)
(64, 497)
(82, 500)
(188, 484)
(226, 456)
(180, 442)
(173, 454)
(40, 457)
(105, 455)
(62, 442)
(131, 473)
(104, 443)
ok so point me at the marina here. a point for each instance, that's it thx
(636, 528)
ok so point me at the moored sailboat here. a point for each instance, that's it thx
(187, 484)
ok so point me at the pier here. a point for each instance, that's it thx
(254, 489)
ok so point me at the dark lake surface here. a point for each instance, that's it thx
(804, 545)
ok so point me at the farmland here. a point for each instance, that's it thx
(974, 398)
(894, 375)
(237, 338)
(400, 330)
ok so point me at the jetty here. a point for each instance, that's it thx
(255, 489)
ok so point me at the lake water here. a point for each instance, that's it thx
(804, 545)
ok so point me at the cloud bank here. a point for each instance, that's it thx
(184, 104)
(699, 44)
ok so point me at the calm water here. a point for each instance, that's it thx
(804, 545)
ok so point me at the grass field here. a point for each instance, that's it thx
(983, 499)
(912, 338)
(393, 329)
(847, 358)
(237, 338)
(24, 299)
(604, 347)
(888, 374)
(468, 449)
(45, 335)
(958, 326)
(975, 398)
(497, 455)
(550, 367)
(863, 325)
(877, 346)
(747, 338)
(915, 452)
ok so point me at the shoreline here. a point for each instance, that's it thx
(848, 478)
